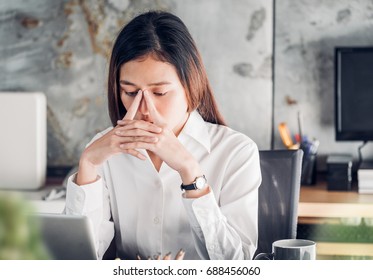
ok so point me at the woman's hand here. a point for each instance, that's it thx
(179, 256)
(164, 144)
(109, 145)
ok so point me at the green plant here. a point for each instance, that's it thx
(20, 237)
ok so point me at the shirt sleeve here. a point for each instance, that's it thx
(92, 200)
(225, 225)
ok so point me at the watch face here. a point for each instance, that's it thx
(200, 182)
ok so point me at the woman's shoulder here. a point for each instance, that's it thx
(224, 135)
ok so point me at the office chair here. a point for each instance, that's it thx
(278, 196)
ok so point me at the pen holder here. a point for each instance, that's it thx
(308, 176)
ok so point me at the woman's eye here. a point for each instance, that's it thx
(159, 93)
(131, 93)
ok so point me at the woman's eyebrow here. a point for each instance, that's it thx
(128, 83)
(160, 83)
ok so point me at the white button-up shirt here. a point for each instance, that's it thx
(145, 211)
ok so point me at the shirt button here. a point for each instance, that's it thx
(212, 247)
(156, 220)
(79, 198)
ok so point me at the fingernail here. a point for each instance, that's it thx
(138, 257)
(180, 253)
(167, 256)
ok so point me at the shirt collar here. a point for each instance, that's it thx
(196, 128)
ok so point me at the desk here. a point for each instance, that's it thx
(35, 197)
(317, 201)
(318, 205)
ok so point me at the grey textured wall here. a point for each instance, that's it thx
(62, 49)
(306, 33)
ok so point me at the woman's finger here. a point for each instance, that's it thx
(137, 145)
(131, 124)
(132, 110)
(128, 132)
(180, 255)
(131, 139)
(167, 256)
(135, 153)
(154, 115)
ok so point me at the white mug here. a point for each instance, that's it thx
(290, 249)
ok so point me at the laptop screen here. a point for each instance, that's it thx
(67, 237)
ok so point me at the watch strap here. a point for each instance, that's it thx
(188, 187)
(191, 186)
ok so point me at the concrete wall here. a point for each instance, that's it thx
(306, 33)
(62, 48)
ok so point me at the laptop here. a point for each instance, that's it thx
(67, 237)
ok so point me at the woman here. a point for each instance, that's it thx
(169, 174)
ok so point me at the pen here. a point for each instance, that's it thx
(300, 130)
(314, 146)
(285, 137)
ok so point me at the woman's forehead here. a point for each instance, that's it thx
(149, 70)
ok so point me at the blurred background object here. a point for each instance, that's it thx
(23, 141)
(19, 239)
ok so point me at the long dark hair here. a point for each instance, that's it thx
(166, 37)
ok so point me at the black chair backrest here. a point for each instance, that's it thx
(278, 196)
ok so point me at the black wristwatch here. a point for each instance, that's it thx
(198, 184)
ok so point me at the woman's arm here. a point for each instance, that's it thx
(228, 229)
(87, 193)
(92, 200)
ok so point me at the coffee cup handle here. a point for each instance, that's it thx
(264, 256)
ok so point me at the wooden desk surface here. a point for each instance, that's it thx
(319, 205)
(317, 201)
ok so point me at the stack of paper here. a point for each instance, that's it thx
(365, 177)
